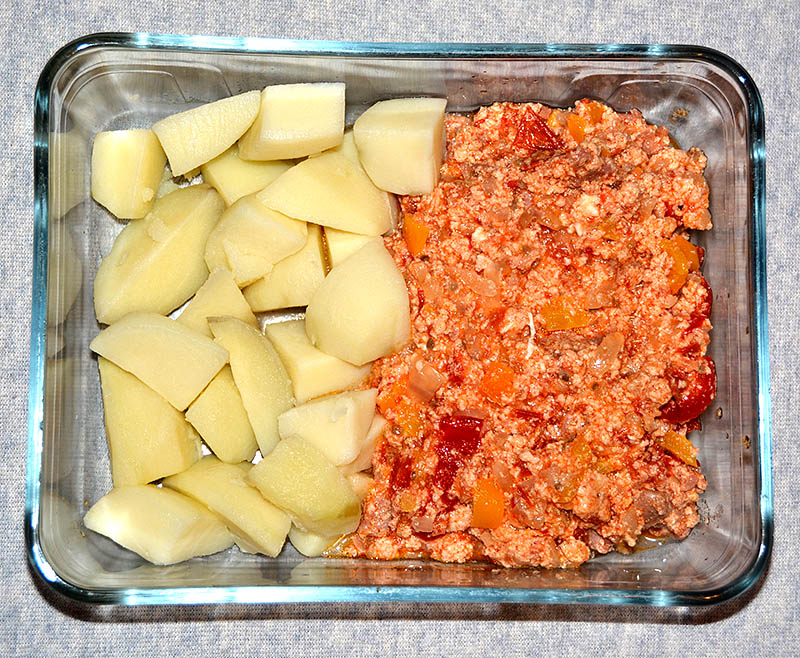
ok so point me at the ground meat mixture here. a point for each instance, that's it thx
(557, 359)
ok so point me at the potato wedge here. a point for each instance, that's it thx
(220, 418)
(313, 373)
(259, 375)
(256, 525)
(298, 478)
(250, 238)
(332, 190)
(170, 358)
(296, 120)
(147, 437)
(336, 425)
(360, 311)
(194, 137)
(310, 544)
(234, 177)
(217, 297)
(157, 263)
(292, 280)
(401, 143)
(161, 525)
(126, 171)
(342, 244)
(364, 459)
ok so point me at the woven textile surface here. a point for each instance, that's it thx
(766, 621)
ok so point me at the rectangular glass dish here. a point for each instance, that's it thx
(115, 81)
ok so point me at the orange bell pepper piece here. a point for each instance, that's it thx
(415, 234)
(561, 313)
(487, 505)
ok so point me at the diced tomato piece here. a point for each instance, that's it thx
(415, 234)
(459, 438)
(532, 133)
(487, 505)
(563, 312)
(498, 382)
(691, 393)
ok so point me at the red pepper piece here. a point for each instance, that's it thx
(459, 438)
(691, 393)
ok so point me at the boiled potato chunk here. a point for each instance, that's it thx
(296, 120)
(147, 437)
(170, 358)
(218, 296)
(234, 177)
(298, 478)
(364, 459)
(259, 375)
(250, 238)
(336, 425)
(310, 544)
(360, 311)
(126, 171)
(347, 148)
(292, 280)
(313, 373)
(161, 525)
(333, 191)
(220, 417)
(257, 526)
(194, 137)
(401, 143)
(157, 263)
(342, 244)
(361, 483)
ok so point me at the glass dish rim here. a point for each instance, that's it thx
(260, 594)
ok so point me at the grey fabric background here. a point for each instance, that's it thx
(760, 35)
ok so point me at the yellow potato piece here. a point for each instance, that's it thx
(310, 544)
(170, 358)
(126, 171)
(161, 525)
(147, 437)
(250, 238)
(293, 280)
(347, 148)
(220, 417)
(336, 425)
(234, 177)
(296, 120)
(217, 297)
(257, 525)
(342, 244)
(401, 143)
(194, 137)
(334, 191)
(360, 311)
(298, 478)
(313, 373)
(364, 459)
(259, 375)
(361, 484)
(157, 263)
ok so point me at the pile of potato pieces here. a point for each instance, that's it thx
(285, 413)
